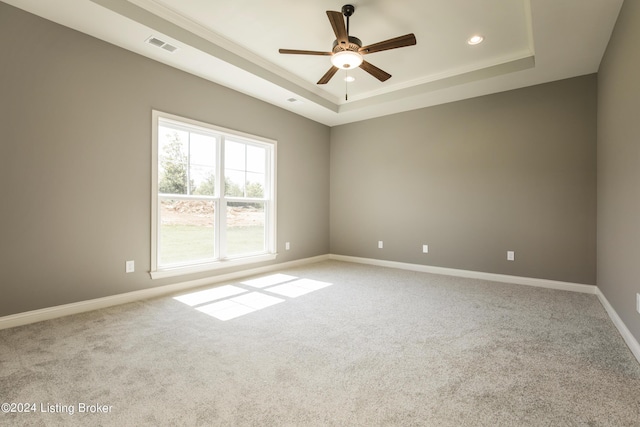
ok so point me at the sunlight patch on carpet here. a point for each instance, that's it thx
(226, 310)
(233, 301)
(208, 295)
(272, 279)
(239, 306)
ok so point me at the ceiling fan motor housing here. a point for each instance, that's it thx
(354, 44)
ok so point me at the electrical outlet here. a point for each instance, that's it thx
(130, 267)
(287, 246)
(425, 249)
(380, 244)
(511, 256)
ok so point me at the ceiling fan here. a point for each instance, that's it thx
(348, 51)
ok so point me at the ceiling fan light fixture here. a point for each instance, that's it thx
(348, 51)
(346, 59)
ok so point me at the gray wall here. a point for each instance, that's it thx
(619, 168)
(75, 162)
(473, 179)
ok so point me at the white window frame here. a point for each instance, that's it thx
(157, 271)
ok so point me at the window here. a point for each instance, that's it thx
(213, 197)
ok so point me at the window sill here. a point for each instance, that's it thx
(212, 266)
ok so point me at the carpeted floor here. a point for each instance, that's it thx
(328, 344)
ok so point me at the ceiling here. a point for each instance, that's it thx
(235, 43)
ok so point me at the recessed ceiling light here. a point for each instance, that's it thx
(349, 79)
(473, 40)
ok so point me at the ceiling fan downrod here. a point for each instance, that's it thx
(347, 10)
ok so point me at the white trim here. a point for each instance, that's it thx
(211, 266)
(518, 280)
(628, 338)
(155, 116)
(49, 313)
(272, 212)
(209, 128)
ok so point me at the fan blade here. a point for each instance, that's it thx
(303, 52)
(375, 71)
(325, 79)
(337, 22)
(402, 41)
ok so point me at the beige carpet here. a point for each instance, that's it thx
(329, 344)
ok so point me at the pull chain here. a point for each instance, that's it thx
(346, 84)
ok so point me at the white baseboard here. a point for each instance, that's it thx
(98, 303)
(529, 281)
(633, 344)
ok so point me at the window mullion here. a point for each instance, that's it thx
(222, 208)
(246, 165)
(188, 165)
(269, 237)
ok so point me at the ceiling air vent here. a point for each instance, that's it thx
(161, 44)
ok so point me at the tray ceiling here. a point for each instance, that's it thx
(235, 43)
